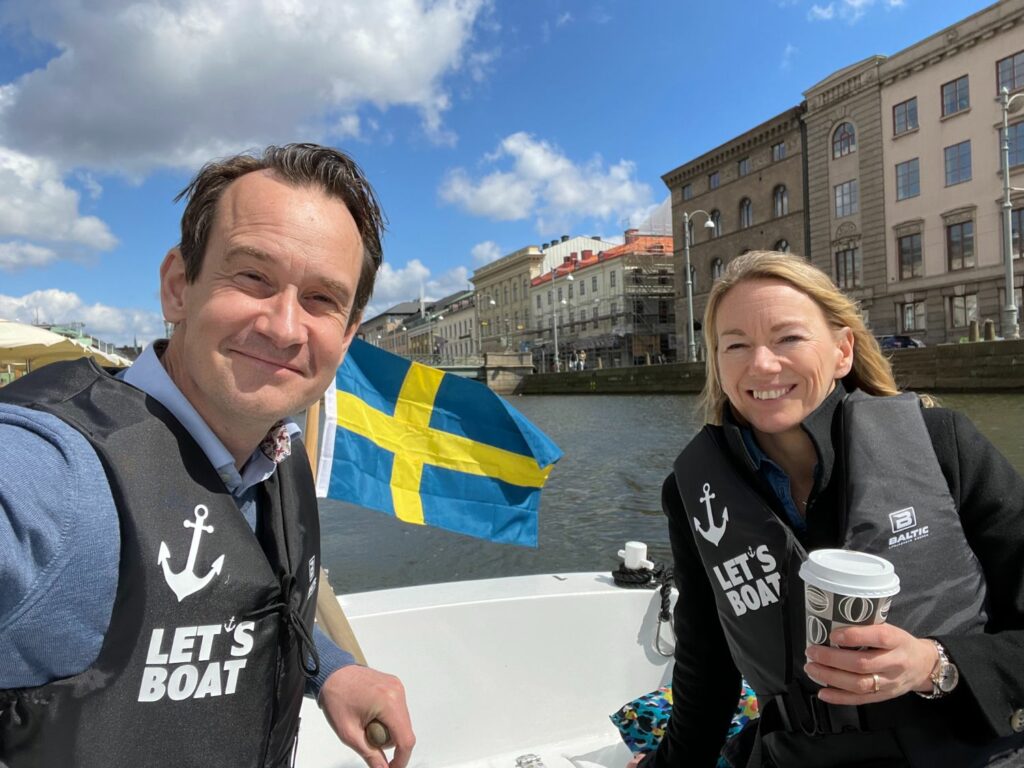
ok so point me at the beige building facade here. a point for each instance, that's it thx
(502, 299)
(752, 189)
(941, 150)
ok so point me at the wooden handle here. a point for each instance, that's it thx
(329, 615)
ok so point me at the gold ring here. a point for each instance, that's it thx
(875, 678)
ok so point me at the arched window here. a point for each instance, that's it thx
(716, 219)
(844, 140)
(780, 201)
(746, 213)
(782, 245)
(717, 268)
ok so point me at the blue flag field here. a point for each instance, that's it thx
(431, 448)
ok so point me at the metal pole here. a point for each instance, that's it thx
(554, 325)
(691, 347)
(1010, 328)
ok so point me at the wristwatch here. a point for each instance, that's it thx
(944, 675)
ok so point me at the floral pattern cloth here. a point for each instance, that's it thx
(642, 722)
(277, 445)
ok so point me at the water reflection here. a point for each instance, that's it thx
(605, 491)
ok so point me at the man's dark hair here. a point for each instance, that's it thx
(301, 165)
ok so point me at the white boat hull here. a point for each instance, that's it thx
(499, 668)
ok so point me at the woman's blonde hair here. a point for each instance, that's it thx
(871, 371)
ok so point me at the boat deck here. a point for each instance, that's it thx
(502, 668)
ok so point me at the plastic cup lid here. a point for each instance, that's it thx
(845, 572)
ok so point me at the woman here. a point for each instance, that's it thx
(808, 445)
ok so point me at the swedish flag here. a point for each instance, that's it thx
(431, 448)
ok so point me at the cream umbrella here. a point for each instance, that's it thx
(22, 344)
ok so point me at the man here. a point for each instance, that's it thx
(142, 621)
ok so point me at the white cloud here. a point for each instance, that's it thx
(395, 285)
(547, 185)
(850, 11)
(564, 19)
(35, 204)
(18, 255)
(822, 13)
(787, 56)
(149, 84)
(115, 325)
(486, 252)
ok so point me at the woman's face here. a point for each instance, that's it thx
(778, 358)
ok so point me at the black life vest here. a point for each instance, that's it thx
(202, 663)
(897, 505)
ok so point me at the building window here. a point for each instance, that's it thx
(904, 116)
(611, 279)
(713, 180)
(716, 219)
(746, 213)
(559, 294)
(538, 301)
(780, 201)
(583, 287)
(717, 268)
(958, 163)
(908, 179)
(778, 151)
(1016, 225)
(593, 283)
(505, 297)
(687, 191)
(848, 268)
(963, 309)
(743, 166)
(515, 292)
(1010, 72)
(844, 140)
(614, 309)
(956, 96)
(569, 290)
(912, 316)
(782, 245)
(911, 263)
(550, 297)
(960, 245)
(595, 318)
(846, 198)
(1016, 135)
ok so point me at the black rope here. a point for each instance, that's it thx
(308, 652)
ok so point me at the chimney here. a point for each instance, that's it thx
(564, 238)
(632, 235)
(595, 237)
(588, 255)
(567, 259)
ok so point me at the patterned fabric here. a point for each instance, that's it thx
(277, 445)
(642, 722)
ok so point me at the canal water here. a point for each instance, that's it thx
(605, 491)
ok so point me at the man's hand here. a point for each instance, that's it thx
(892, 663)
(355, 696)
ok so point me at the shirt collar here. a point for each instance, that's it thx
(149, 375)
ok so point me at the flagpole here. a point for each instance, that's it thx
(329, 615)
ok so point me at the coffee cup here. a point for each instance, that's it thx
(843, 588)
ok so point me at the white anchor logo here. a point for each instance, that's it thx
(714, 532)
(186, 582)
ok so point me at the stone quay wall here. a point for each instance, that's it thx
(984, 366)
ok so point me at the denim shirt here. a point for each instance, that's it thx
(777, 479)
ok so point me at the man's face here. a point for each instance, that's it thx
(262, 330)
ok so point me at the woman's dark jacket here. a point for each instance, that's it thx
(989, 495)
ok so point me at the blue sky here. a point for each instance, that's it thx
(484, 126)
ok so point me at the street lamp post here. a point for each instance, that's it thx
(1011, 330)
(691, 344)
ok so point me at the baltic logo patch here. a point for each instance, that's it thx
(905, 528)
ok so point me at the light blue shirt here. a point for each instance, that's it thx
(149, 375)
(58, 567)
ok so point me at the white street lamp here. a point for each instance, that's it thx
(1011, 330)
(691, 346)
